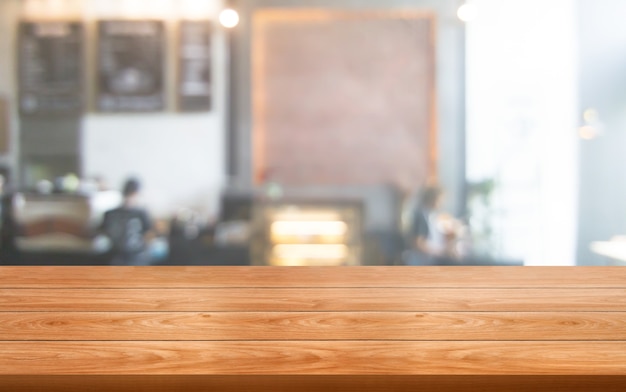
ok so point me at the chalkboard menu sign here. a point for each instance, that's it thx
(131, 66)
(194, 88)
(50, 67)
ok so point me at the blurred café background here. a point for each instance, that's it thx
(302, 132)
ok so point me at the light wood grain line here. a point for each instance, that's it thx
(199, 277)
(305, 299)
(312, 326)
(314, 357)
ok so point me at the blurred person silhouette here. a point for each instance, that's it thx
(8, 225)
(128, 228)
(432, 235)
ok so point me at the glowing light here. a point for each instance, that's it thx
(132, 8)
(467, 12)
(196, 9)
(314, 215)
(591, 115)
(31, 7)
(588, 132)
(229, 18)
(56, 6)
(310, 252)
(309, 228)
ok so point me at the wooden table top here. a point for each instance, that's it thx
(275, 328)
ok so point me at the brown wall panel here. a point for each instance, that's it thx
(344, 97)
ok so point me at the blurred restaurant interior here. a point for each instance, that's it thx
(315, 132)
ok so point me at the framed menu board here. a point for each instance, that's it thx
(50, 56)
(131, 66)
(194, 84)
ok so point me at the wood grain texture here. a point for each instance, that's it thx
(247, 277)
(288, 326)
(314, 299)
(290, 383)
(356, 328)
(314, 357)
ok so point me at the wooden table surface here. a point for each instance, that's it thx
(298, 328)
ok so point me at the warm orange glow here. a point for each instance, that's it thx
(308, 254)
(588, 132)
(309, 228)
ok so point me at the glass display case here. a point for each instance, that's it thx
(307, 233)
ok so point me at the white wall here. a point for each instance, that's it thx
(179, 157)
(522, 123)
(9, 11)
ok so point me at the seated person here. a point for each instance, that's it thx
(128, 228)
(8, 226)
(432, 236)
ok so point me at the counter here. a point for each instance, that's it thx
(303, 328)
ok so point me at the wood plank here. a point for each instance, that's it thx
(290, 383)
(313, 299)
(314, 357)
(206, 277)
(285, 326)
(417, 322)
